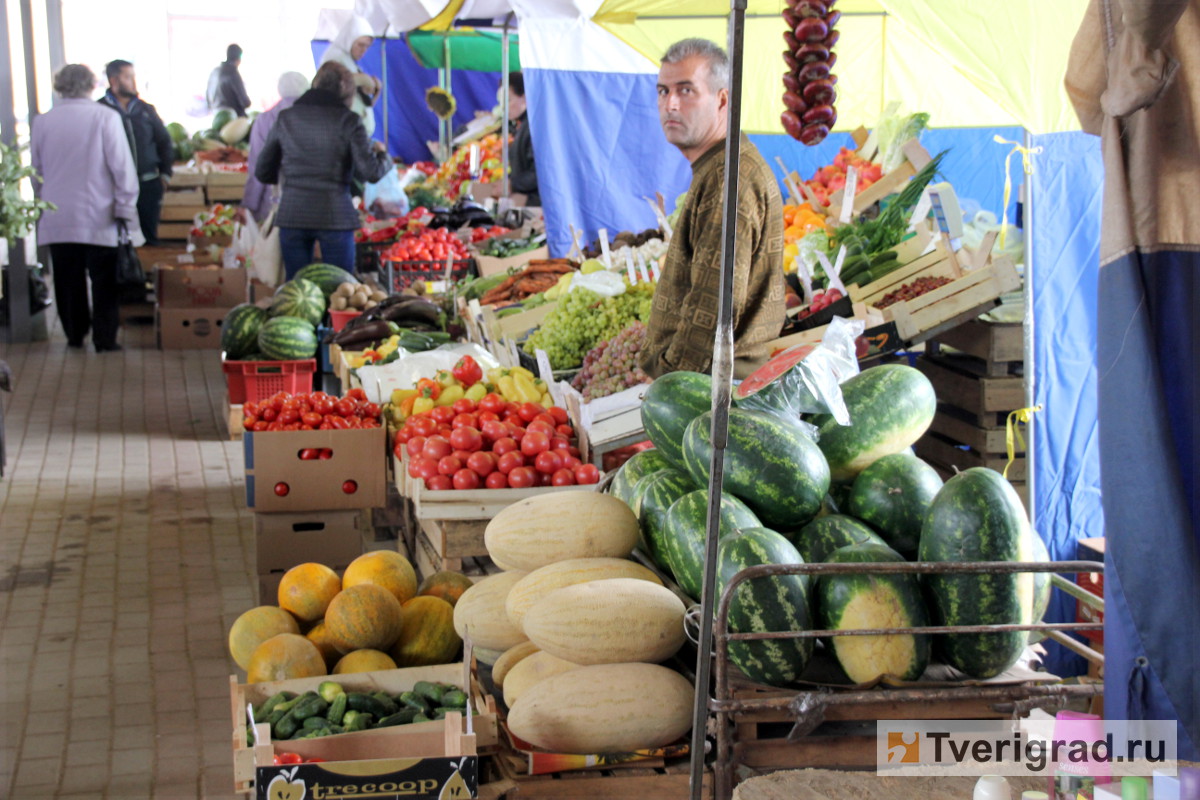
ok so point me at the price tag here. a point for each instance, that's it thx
(834, 271)
(946, 209)
(660, 216)
(793, 192)
(250, 722)
(921, 211)
(805, 276)
(576, 253)
(546, 373)
(811, 197)
(449, 267)
(606, 253)
(644, 269)
(468, 652)
(848, 195)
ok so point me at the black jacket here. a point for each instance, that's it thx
(226, 89)
(148, 138)
(524, 171)
(315, 149)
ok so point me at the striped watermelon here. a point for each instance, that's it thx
(846, 602)
(890, 407)
(639, 489)
(977, 516)
(326, 276)
(892, 496)
(239, 330)
(1041, 586)
(637, 467)
(662, 489)
(761, 605)
(770, 463)
(671, 402)
(686, 526)
(299, 298)
(819, 538)
(287, 339)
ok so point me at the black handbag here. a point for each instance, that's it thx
(129, 266)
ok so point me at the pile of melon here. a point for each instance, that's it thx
(374, 617)
(575, 631)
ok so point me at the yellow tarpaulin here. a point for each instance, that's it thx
(979, 63)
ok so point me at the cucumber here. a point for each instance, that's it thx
(431, 691)
(401, 717)
(330, 690)
(385, 700)
(415, 700)
(286, 728)
(455, 698)
(263, 712)
(360, 721)
(316, 724)
(360, 701)
(337, 709)
(309, 707)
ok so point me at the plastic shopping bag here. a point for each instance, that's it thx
(386, 197)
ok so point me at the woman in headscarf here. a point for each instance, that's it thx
(259, 198)
(347, 48)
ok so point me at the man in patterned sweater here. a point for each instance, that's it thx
(693, 106)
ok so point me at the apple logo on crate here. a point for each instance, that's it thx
(202, 327)
(283, 787)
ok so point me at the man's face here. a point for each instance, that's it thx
(360, 47)
(516, 104)
(124, 84)
(690, 112)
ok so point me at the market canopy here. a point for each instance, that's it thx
(470, 49)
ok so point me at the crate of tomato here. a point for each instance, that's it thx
(422, 255)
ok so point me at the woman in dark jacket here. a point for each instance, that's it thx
(317, 147)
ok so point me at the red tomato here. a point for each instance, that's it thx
(559, 415)
(487, 416)
(466, 479)
(494, 431)
(504, 445)
(534, 443)
(544, 479)
(324, 406)
(548, 462)
(464, 421)
(492, 403)
(248, 423)
(346, 407)
(282, 489)
(569, 462)
(529, 411)
(311, 418)
(563, 477)
(437, 447)
(326, 453)
(497, 480)
(349, 487)
(462, 455)
(522, 477)
(546, 418)
(450, 465)
(310, 454)
(565, 430)
(515, 432)
(416, 446)
(275, 426)
(587, 473)
(289, 415)
(484, 464)
(510, 461)
(464, 405)
(358, 394)
(466, 438)
(250, 409)
(573, 450)
(541, 427)
(370, 410)
(439, 483)
(560, 443)
(269, 414)
(442, 414)
(423, 426)
(422, 468)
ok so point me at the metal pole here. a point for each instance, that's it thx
(54, 32)
(446, 124)
(504, 108)
(20, 323)
(30, 66)
(1030, 375)
(383, 89)
(722, 388)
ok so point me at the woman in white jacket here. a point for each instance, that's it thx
(351, 43)
(80, 149)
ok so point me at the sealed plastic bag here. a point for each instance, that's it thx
(603, 283)
(807, 378)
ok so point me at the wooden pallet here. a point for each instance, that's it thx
(430, 555)
(233, 421)
(983, 396)
(949, 306)
(997, 345)
(669, 781)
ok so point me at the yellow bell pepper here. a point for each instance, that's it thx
(547, 401)
(522, 371)
(540, 385)
(400, 395)
(476, 392)
(526, 392)
(495, 374)
(508, 389)
(446, 378)
(422, 405)
(449, 395)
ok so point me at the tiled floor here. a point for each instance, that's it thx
(127, 554)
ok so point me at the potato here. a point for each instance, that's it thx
(337, 303)
(345, 289)
(378, 296)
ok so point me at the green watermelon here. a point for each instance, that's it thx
(761, 605)
(892, 496)
(299, 298)
(661, 491)
(326, 276)
(239, 330)
(847, 602)
(637, 467)
(255, 356)
(287, 339)
(222, 118)
(819, 538)
(686, 525)
(643, 483)
(670, 404)
(977, 516)
(890, 407)
(770, 463)
(1041, 586)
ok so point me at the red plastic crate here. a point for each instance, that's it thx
(254, 381)
(406, 273)
(339, 319)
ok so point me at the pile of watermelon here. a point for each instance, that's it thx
(287, 330)
(849, 494)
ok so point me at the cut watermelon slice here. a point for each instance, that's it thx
(773, 370)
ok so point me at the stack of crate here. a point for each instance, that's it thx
(182, 201)
(225, 186)
(977, 371)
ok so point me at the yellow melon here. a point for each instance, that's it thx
(552, 527)
(427, 634)
(307, 589)
(445, 584)
(480, 613)
(544, 580)
(254, 627)
(531, 671)
(363, 617)
(319, 635)
(363, 661)
(385, 568)
(283, 657)
(512, 656)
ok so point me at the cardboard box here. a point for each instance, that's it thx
(260, 291)
(188, 328)
(200, 288)
(283, 540)
(489, 265)
(174, 230)
(315, 485)
(180, 213)
(183, 197)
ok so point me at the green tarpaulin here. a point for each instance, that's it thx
(478, 51)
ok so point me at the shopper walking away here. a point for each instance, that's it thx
(347, 49)
(260, 199)
(693, 107)
(225, 86)
(81, 151)
(149, 141)
(316, 148)
(524, 181)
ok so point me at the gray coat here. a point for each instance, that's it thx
(317, 147)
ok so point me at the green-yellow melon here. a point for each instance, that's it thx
(254, 627)
(480, 614)
(319, 635)
(531, 671)
(385, 568)
(542, 581)
(447, 585)
(363, 661)
(306, 590)
(427, 634)
(555, 526)
(512, 656)
(283, 657)
(363, 617)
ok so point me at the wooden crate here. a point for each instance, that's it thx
(934, 264)
(469, 505)
(957, 302)
(936, 449)
(984, 396)
(174, 230)
(449, 544)
(870, 316)
(994, 343)
(179, 213)
(668, 781)
(233, 420)
(915, 159)
(427, 561)
(187, 198)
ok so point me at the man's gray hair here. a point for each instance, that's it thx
(74, 80)
(712, 53)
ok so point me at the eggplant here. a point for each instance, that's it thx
(794, 102)
(791, 83)
(811, 8)
(829, 62)
(812, 51)
(811, 29)
(816, 71)
(375, 331)
(819, 93)
(791, 123)
(425, 312)
(832, 18)
(819, 115)
(813, 134)
(832, 39)
(792, 64)
(791, 18)
(789, 39)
